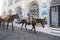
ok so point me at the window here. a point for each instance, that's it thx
(54, 16)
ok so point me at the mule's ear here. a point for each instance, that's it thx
(16, 13)
(45, 18)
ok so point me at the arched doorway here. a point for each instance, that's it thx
(54, 14)
(18, 10)
(35, 10)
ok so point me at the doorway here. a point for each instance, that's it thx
(54, 16)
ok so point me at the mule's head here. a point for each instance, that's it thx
(44, 22)
(45, 18)
(16, 16)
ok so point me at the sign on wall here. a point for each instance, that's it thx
(44, 10)
(44, 7)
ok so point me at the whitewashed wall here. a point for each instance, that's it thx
(25, 4)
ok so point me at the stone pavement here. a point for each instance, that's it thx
(48, 30)
(19, 34)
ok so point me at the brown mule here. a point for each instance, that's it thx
(8, 19)
(34, 22)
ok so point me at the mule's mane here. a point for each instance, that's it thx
(12, 17)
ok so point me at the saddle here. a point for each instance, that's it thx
(5, 17)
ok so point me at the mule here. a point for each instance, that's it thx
(8, 19)
(34, 22)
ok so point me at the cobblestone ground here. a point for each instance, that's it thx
(19, 34)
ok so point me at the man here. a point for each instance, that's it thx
(30, 16)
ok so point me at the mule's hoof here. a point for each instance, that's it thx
(13, 29)
(26, 29)
(6, 29)
(35, 32)
(3, 28)
(21, 28)
(43, 26)
(0, 27)
(31, 30)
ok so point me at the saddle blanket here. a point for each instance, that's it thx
(29, 20)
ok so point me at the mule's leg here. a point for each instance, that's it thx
(12, 26)
(34, 28)
(25, 26)
(22, 25)
(0, 25)
(7, 25)
(3, 26)
(43, 25)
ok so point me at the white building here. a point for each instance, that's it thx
(40, 7)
